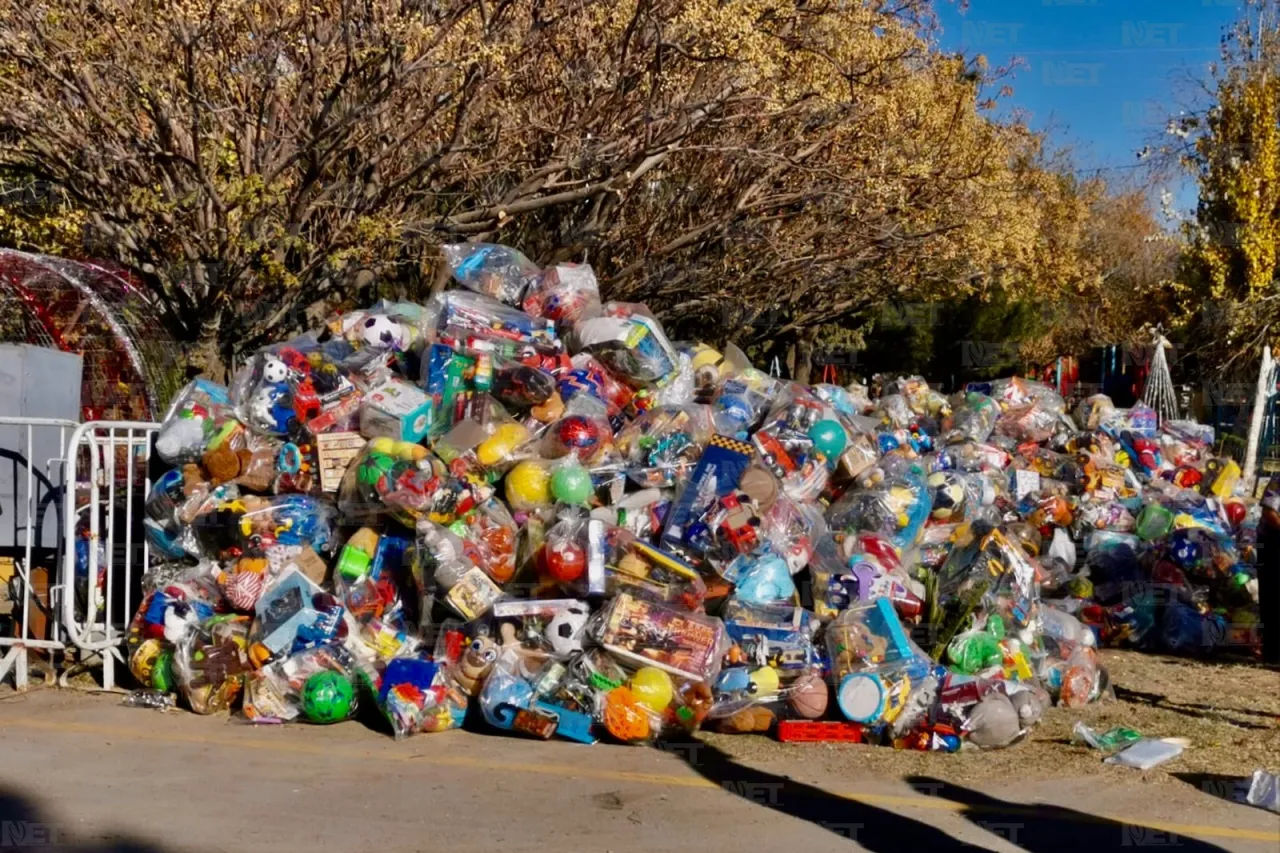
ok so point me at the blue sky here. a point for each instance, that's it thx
(1102, 75)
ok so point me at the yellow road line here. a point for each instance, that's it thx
(244, 739)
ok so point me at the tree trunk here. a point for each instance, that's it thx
(204, 355)
(802, 351)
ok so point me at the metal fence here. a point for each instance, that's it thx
(32, 489)
(71, 510)
(105, 553)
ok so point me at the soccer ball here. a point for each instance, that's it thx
(564, 631)
(381, 332)
(274, 371)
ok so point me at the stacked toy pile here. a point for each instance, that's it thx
(522, 500)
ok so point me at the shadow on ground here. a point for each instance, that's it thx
(1219, 713)
(24, 828)
(1233, 789)
(1034, 828)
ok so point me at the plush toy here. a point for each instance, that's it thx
(765, 581)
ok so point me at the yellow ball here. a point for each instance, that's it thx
(504, 441)
(383, 445)
(653, 688)
(766, 681)
(529, 485)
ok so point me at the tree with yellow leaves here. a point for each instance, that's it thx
(1230, 291)
(755, 168)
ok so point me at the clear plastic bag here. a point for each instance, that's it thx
(566, 294)
(1146, 753)
(662, 445)
(417, 696)
(496, 271)
(973, 418)
(210, 664)
(191, 421)
(630, 341)
(292, 385)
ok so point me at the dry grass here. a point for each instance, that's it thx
(1229, 712)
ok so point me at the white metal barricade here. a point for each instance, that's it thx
(32, 493)
(104, 545)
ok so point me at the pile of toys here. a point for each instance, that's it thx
(526, 503)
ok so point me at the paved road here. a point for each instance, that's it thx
(82, 770)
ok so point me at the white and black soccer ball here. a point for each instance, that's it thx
(565, 632)
(378, 331)
(274, 371)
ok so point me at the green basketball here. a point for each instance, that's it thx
(162, 671)
(326, 697)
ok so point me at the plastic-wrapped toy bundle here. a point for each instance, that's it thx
(370, 577)
(972, 419)
(498, 272)
(587, 438)
(287, 520)
(874, 663)
(897, 508)
(851, 570)
(466, 563)
(630, 341)
(317, 684)
(191, 422)
(1094, 412)
(989, 575)
(489, 331)
(406, 481)
(922, 399)
(483, 447)
(800, 441)
(565, 294)
(384, 335)
(179, 499)
(1030, 422)
(662, 445)
(286, 387)
(1018, 391)
(991, 713)
(537, 697)
(671, 658)
(419, 696)
(164, 619)
(894, 411)
(209, 663)
(743, 399)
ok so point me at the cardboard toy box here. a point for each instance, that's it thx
(396, 410)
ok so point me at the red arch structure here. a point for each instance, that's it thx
(99, 312)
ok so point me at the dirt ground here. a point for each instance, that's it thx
(79, 769)
(1229, 712)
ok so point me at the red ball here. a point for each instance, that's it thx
(1236, 512)
(564, 561)
(579, 434)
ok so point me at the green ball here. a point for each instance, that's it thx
(828, 437)
(327, 697)
(571, 485)
(162, 672)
